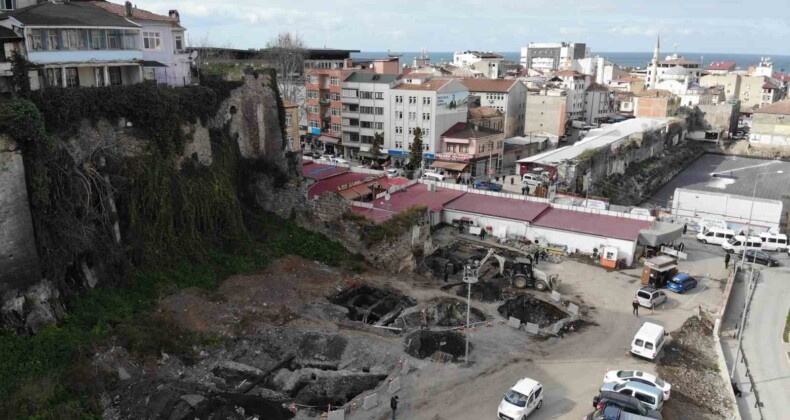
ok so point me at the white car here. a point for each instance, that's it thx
(622, 376)
(525, 397)
(393, 173)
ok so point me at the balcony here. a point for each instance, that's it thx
(84, 56)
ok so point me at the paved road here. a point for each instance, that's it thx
(766, 353)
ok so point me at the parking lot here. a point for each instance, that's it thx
(571, 368)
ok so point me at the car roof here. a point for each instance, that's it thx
(651, 329)
(647, 289)
(525, 386)
(682, 276)
(615, 396)
(643, 387)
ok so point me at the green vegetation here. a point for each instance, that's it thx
(415, 150)
(787, 329)
(396, 226)
(587, 155)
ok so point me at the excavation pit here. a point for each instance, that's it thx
(372, 305)
(527, 308)
(441, 312)
(440, 345)
(483, 291)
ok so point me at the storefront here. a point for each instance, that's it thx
(331, 145)
(453, 164)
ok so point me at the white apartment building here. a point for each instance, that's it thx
(366, 99)
(434, 105)
(552, 56)
(488, 63)
(602, 70)
(598, 103)
(507, 96)
(576, 85)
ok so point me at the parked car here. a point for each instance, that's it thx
(650, 297)
(715, 235)
(486, 185)
(393, 173)
(613, 412)
(649, 341)
(760, 257)
(532, 179)
(522, 399)
(626, 403)
(650, 396)
(621, 376)
(774, 241)
(737, 244)
(681, 282)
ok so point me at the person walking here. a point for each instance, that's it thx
(423, 319)
(685, 226)
(727, 260)
(394, 405)
(446, 274)
(512, 180)
(635, 305)
(736, 390)
(537, 256)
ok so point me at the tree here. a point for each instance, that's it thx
(286, 53)
(415, 150)
(20, 80)
(375, 148)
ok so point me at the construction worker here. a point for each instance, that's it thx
(635, 305)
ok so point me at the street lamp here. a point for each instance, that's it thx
(751, 210)
(470, 278)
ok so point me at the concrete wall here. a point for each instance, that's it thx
(546, 114)
(502, 228)
(722, 117)
(583, 242)
(770, 129)
(19, 265)
(732, 208)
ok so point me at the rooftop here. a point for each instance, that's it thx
(778, 108)
(6, 33)
(489, 85)
(568, 73)
(484, 112)
(120, 10)
(506, 208)
(68, 14)
(722, 65)
(417, 195)
(331, 184)
(606, 136)
(678, 62)
(468, 131)
(317, 171)
(592, 224)
(654, 93)
(433, 84)
(359, 77)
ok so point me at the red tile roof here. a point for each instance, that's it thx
(568, 73)
(433, 84)
(506, 208)
(489, 85)
(654, 93)
(592, 224)
(722, 65)
(120, 10)
(418, 195)
(778, 108)
(330, 184)
(317, 171)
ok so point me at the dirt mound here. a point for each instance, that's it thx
(425, 343)
(689, 364)
(483, 291)
(442, 312)
(372, 305)
(527, 308)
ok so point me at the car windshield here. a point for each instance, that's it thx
(732, 241)
(625, 374)
(516, 398)
(618, 387)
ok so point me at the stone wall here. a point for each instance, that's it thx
(722, 117)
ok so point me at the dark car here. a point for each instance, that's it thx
(760, 257)
(626, 403)
(609, 412)
(486, 185)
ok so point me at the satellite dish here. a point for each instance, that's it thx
(193, 55)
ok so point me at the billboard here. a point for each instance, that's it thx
(448, 103)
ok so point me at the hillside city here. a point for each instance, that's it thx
(193, 230)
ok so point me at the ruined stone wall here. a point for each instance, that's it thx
(722, 117)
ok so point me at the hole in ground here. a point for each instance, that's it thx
(529, 309)
(425, 343)
(371, 304)
(442, 312)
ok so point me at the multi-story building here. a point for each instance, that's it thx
(576, 85)
(771, 125)
(292, 143)
(730, 82)
(599, 103)
(721, 67)
(655, 103)
(507, 96)
(547, 112)
(324, 107)
(366, 99)
(77, 44)
(600, 69)
(434, 105)
(752, 91)
(165, 58)
(552, 56)
(673, 69)
(469, 148)
(488, 63)
(627, 83)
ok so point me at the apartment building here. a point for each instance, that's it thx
(365, 102)
(324, 107)
(292, 143)
(470, 148)
(488, 63)
(547, 112)
(576, 85)
(655, 103)
(165, 58)
(599, 104)
(434, 105)
(552, 56)
(76, 44)
(507, 96)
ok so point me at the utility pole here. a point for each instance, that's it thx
(470, 278)
(749, 292)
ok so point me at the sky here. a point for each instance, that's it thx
(714, 26)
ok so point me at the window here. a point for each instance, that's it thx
(36, 40)
(53, 40)
(315, 124)
(378, 110)
(336, 112)
(378, 125)
(178, 41)
(349, 93)
(312, 79)
(312, 94)
(379, 95)
(152, 41)
(411, 130)
(649, 345)
(398, 130)
(481, 148)
(148, 74)
(334, 96)
(334, 81)
(336, 128)
(72, 77)
(412, 115)
(463, 149)
(288, 120)
(425, 147)
(312, 109)
(366, 139)
(426, 131)
(366, 124)
(426, 101)
(7, 5)
(399, 115)
(398, 144)
(365, 95)
(53, 77)
(399, 99)
(113, 40)
(645, 398)
(426, 116)
(500, 144)
(366, 110)
(412, 99)
(115, 76)
(72, 39)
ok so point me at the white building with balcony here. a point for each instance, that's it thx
(78, 44)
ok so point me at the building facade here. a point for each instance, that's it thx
(292, 143)
(324, 107)
(599, 104)
(576, 85)
(433, 105)
(507, 96)
(771, 125)
(546, 112)
(552, 56)
(655, 103)
(488, 63)
(366, 99)
(470, 148)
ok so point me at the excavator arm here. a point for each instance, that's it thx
(500, 259)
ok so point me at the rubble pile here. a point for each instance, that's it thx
(372, 305)
(527, 308)
(441, 312)
(689, 364)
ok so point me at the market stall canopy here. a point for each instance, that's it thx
(450, 166)
(660, 233)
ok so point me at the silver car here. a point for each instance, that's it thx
(648, 395)
(650, 297)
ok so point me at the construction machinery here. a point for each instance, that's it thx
(521, 272)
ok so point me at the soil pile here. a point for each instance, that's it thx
(689, 364)
(527, 308)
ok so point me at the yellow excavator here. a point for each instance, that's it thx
(521, 272)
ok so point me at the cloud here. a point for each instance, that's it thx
(575, 31)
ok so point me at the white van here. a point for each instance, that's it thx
(715, 235)
(340, 161)
(774, 241)
(433, 176)
(738, 244)
(532, 179)
(520, 401)
(649, 340)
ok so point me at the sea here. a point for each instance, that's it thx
(623, 59)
